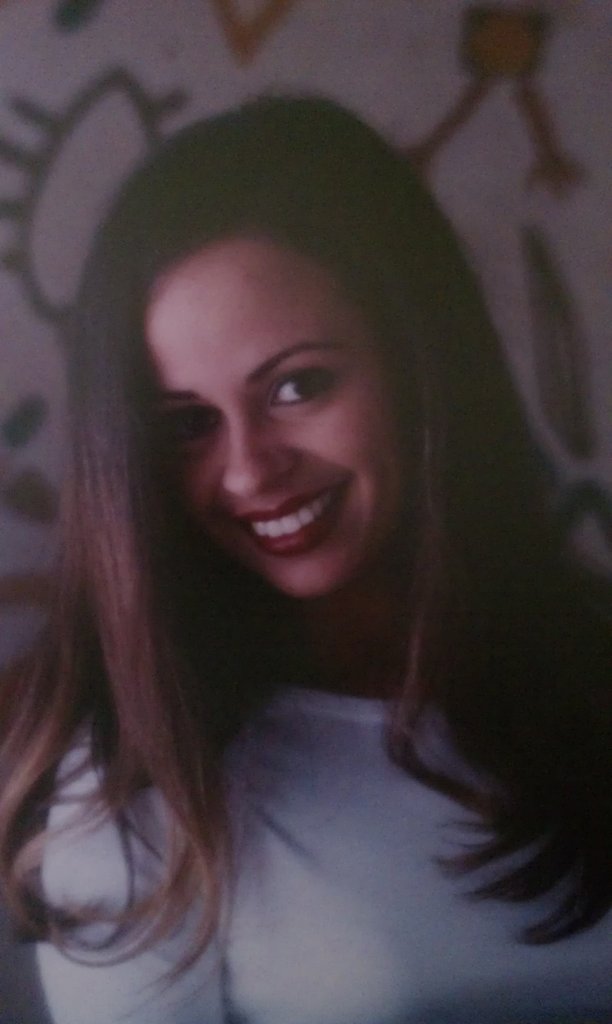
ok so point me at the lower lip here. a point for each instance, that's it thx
(306, 538)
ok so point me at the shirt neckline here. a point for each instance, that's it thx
(330, 705)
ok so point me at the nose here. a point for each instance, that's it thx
(255, 459)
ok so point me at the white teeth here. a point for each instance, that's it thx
(317, 506)
(305, 516)
(287, 525)
(290, 524)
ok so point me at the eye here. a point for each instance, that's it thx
(185, 424)
(303, 385)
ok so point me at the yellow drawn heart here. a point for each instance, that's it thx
(28, 588)
(20, 590)
(247, 34)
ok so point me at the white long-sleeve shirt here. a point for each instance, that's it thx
(340, 913)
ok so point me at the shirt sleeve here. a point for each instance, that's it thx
(85, 864)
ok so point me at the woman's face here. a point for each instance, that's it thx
(275, 397)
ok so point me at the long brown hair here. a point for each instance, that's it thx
(154, 641)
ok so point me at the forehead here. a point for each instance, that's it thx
(251, 266)
(240, 300)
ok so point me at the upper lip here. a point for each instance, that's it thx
(284, 509)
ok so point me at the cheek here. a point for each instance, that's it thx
(364, 438)
(377, 436)
(196, 489)
(370, 429)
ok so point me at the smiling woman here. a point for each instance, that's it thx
(313, 636)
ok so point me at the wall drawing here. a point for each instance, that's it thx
(561, 354)
(29, 588)
(39, 169)
(24, 421)
(502, 43)
(246, 34)
(72, 14)
(24, 492)
(584, 500)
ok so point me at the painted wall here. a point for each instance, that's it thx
(505, 109)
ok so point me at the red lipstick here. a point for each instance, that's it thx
(284, 532)
(286, 508)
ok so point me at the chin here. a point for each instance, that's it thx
(308, 582)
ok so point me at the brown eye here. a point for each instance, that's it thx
(303, 385)
(189, 423)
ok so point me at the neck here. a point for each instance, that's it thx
(357, 636)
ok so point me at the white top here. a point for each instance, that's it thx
(340, 914)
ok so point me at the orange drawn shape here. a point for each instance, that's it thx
(553, 167)
(247, 35)
(30, 588)
(422, 154)
(31, 496)
(21, 590)
(504, 42)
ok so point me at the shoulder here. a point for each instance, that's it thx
(91, 856)
(94, 860)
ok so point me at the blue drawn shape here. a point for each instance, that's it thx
(73, 14)
(24, 422)
(503, 41)
(561, 353)
(583, 500)
(38, 166)
(30, 496)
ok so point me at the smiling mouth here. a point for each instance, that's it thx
(285, 526)
(300, 530)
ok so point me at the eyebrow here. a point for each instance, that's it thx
(264, 368)
(304, 346)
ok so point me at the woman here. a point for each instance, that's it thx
(314, 644)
